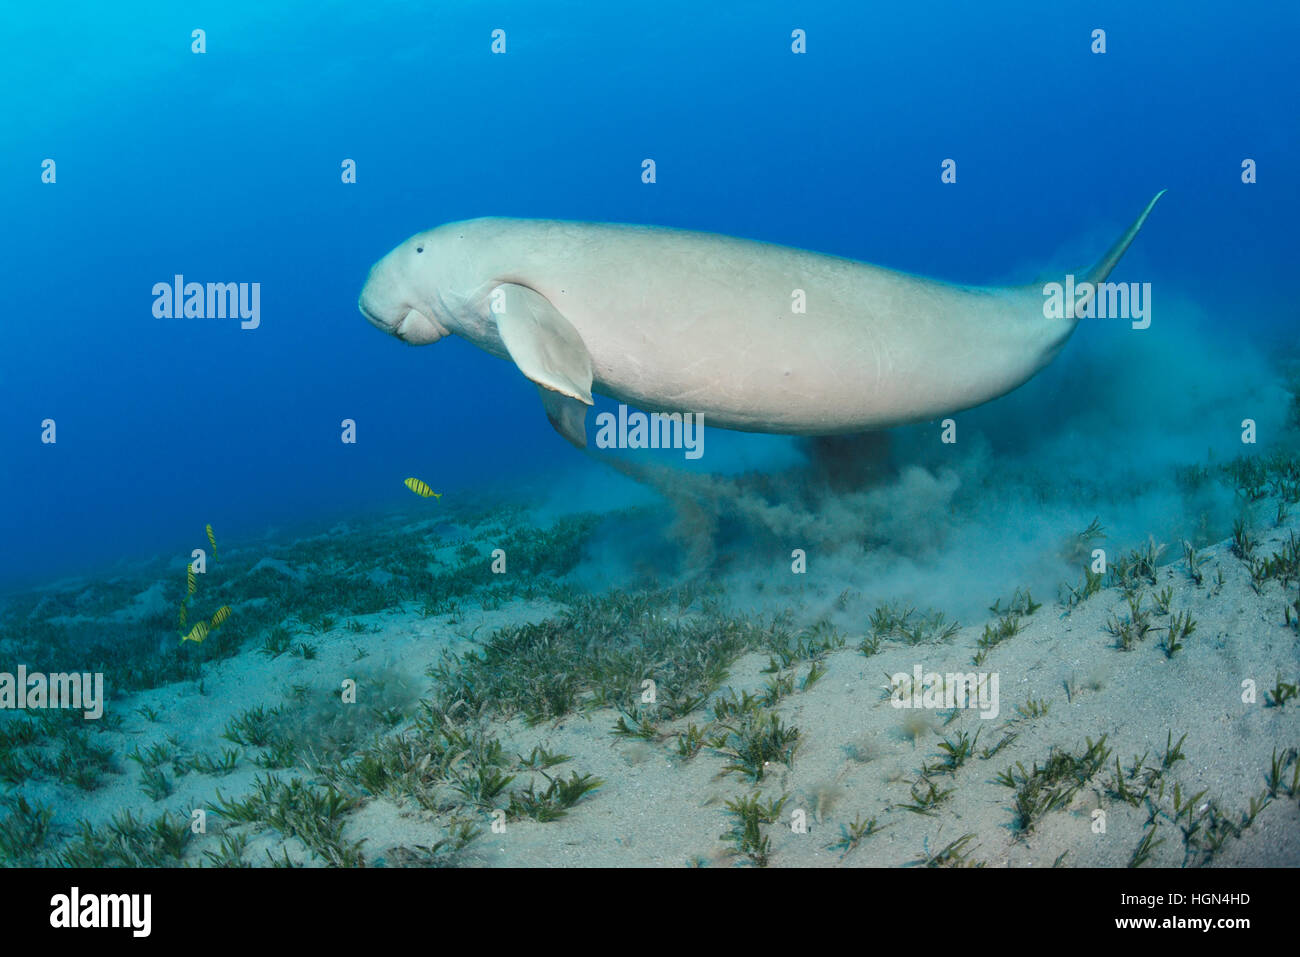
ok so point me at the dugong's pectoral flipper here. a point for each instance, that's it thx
(568, 416)
(548, 350)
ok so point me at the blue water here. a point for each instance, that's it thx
(225, 166)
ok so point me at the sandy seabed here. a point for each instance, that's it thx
(1074, 768)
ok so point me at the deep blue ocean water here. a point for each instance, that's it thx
(225, 166)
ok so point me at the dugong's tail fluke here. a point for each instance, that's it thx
(1099, 272)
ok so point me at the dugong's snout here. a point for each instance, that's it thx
(385, 303)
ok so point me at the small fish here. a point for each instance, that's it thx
(184, 617)
(420, 489)
(189, 579)
(198, 633)
(222, 614)
(213, 541)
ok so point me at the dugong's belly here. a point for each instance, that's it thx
(756, 336)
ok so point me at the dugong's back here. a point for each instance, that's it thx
(697, 322)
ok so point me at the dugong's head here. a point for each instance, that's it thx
(400, 291)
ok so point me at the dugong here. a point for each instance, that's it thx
(676, 321)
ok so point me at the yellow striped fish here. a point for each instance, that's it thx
(197, 633)
(212, 540)
(189, 579)
(219, 618)
(420, 489)
(184, 617)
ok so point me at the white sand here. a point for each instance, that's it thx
(853, 758)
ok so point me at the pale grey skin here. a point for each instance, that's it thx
(675, 321)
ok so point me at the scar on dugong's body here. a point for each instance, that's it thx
(677, 321)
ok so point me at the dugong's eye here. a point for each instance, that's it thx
(419, 249)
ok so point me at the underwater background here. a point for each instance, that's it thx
(226, 166)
